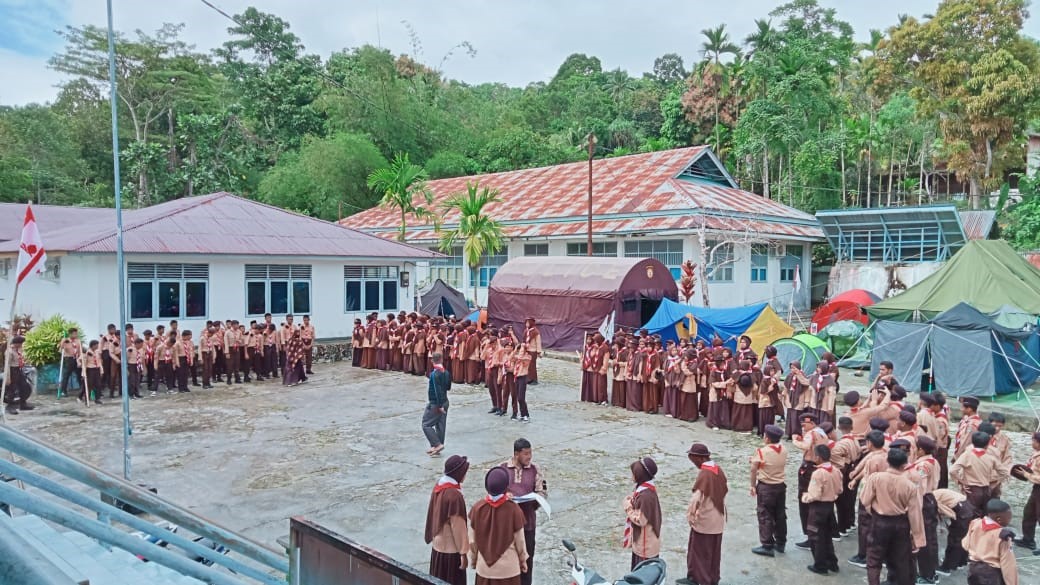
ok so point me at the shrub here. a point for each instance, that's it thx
(22, 325)
(41, 343)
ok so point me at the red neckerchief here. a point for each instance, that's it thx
(988, 524)
(495, 503)
(826, 466)
(776, 447)
(850, 436)
(438, 367)
(897, 405)
(710, 466)
(443, 487)
(978, 452)
(645, 486)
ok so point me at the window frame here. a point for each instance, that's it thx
(724, 273)
(577, 250)
(537, 249)
(291, 281)
(380, 277)
(787, 266)
(489, 265)
(450, 269)
(165, 273)
(758, 260)
(671, 255)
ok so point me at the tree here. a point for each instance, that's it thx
(669, 70)
(970, 67)
(479, 233)
(398, 186)
(619, 85)
(715, 45)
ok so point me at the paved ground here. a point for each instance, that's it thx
(345, 450)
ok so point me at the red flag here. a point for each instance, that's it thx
(31, 256)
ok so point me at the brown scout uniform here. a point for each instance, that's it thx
(896, 525)
(992, 560)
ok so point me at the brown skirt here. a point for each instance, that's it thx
(742, 417)
(671, 401)
(634, 396)
(599, 388)
(704, 558)
(687, 406)
(485, 581)
(617, 393)
(719, 414)
(445, 566)
(472, 371)
(458, 371)
(396, 360)
(650, 397)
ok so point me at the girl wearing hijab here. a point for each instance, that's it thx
(643, 513)
(497, 549)
(446, 527)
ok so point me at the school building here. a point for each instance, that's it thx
(209, 257)
(671, 205)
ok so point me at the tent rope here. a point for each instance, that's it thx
(1021, 388)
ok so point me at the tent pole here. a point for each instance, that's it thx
(861, 336)
(1021, 389)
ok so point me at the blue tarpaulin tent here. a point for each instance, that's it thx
(759, 322)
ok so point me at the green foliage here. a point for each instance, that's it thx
(326, 176)
(41, 343)
(399, 185)
(450, 164)
(479, 233)
(1022, 229)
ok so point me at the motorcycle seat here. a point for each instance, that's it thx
(647, 573)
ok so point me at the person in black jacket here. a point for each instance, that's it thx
(435, 417)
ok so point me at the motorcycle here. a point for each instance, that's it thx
(648, 572)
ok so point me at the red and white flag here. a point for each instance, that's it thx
(32, 258)
(797, 277)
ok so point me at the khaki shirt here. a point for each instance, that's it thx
(925, 473)
(962, 440)
(984, 545)
(861, 416)
(1000, 447)
(978, 467)
(873, 462)
(947, 500)
(809, 442)
(892, 493)
(702, 515)
(845, 451)
(824, 484)
(770, 461)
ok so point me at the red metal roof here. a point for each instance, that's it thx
(631, 194)
(219, 223)
(977, 224)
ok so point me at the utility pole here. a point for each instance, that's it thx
(592, 151)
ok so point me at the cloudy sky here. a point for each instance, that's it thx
(517, 41)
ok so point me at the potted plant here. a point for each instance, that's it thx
(41, 349)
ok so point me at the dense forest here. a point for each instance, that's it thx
(935, 107)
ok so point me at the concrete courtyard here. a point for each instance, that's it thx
(345, 450)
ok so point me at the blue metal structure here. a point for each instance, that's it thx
(930, 233)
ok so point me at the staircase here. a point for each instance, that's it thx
(34, 552)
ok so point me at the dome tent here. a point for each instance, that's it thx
(439, 299)
(759, 322)
(807, 349)
(848, 306)
(850, 341)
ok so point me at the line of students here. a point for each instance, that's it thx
(495, 358)
(225, 350)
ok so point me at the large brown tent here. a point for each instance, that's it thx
(569, 295)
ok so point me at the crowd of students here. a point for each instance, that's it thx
(224, 351)
(499, 359)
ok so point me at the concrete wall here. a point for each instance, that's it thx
(884, 280)
(738, 292)
(86, 292)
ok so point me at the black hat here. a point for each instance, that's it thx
(970, 401)
(455, 466)
(908, 417)
(774, 433)
(496, 481)
(851, 398)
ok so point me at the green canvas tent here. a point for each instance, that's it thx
(986, 274)
(850, 342)
(807, 349)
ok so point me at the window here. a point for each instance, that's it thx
(789, 262)
(488, 266)
(167, 291)
(5, 267)
(603, 249)
(719, 259)
(370, 288)
(448, 269)
(669, 252)
(279, 289)
(536, 249)
(759, 263)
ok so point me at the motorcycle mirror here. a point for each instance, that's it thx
(569, 545)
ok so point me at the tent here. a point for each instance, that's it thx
(441, 300)
(570, 295)
(759, 322)
(807, 349)
(970, 354)
(850, 342)
(986, 274)
(848, 306)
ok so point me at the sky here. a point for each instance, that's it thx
(517, 41)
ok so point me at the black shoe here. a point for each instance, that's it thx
(765, 551)
(493, 411)
(817, 570)
(803, 545)
(309, 373)
(833, 568)
(779, 548)
(943, 572)
(514, 417)
(858, 561)
(184, 391)
(501, 413)
(1018, 541)
(26, 406)
(98, 402)
(11, 409)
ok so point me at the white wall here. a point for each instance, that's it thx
(884, 280)
(86, 292)
(741, 291)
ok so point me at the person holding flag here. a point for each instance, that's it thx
(32, 258)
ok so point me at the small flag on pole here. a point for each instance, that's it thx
(607, 328)
(797, 278)
(32, 258)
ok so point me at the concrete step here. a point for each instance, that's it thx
(82, 558)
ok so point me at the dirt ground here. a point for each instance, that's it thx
(345, 450)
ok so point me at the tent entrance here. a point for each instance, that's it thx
(647, 308)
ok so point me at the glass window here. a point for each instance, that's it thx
(719, 259)
(301, 297)
(448, 269)
(759, 263)
(195, 299)
(353, 294)
(371, 295)
(256, 298)
(141, 300)
(536, 249)
(788, 262)
(279, 297)
(488, 266)
(389, 295)
(169, 300)
(602, 249)
(669, 252)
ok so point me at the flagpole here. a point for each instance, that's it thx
(119, 243)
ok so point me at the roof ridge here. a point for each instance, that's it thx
(202, 199)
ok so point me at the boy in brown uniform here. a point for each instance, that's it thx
(896, 526)
(937, 425)
(770, 492)
(16, 388)
(925, 472)
(446, 527)
(873, 462)
(233, 345)
(977, 472)
(1031, 515)
(71, 348)
(824, 489)
(970, 422)
(93, 368)
(208, 355)
(135, 368)
(165, 366)
(706, 516)
(954, 506)
(844, 455)
(643, 513)
(184, 354)
(988, 542)
(806, 442)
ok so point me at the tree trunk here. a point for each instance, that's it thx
(891, 171)
(476, 280)
(765, 172)
(844, 187)
(975, 191)
(404, 226)
(192, 162)
(172, 146)
(922, 178)
(701, 267)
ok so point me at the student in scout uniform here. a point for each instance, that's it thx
(874, 461)
(521, 370)
(533, 339)
(643, 513)
(977, 472)
(357, 339)
(208, 355)
(185, 358)
(115, 355)
(896, 525)
(148, 357)
(988, 542)
(106, 359)
(937, 425)
(93, 369)
(969, 423)
(706, 516)
(824, 489)
(71, 349)
(770, 492)
(446, 527)
(496, 535)
(135, 368)
(999, 443)
(806, 442)
(688, 399)
(1031, 514)
(797, 394)
(165, 366)
(16, 388)
(925, 473)
(233, 344)
(844, 454)
(954, 507)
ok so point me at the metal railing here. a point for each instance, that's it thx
(24, 565)
(267, 566)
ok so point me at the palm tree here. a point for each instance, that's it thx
(716, 45)
(618, 84)
(399, 184)
(479, 233)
